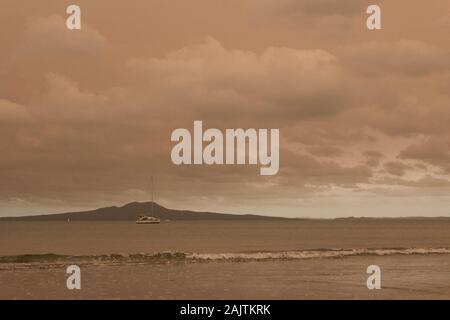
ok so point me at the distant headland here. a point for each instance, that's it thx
(131, 211)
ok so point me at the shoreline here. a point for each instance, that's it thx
(403, 277)
(250, 256)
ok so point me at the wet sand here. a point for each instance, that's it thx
(403, 277)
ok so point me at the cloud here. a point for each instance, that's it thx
(373, 157)
(433, 150)
(105, 142)
(301, 83)
(86, 116)
(311, 9)
(44, 45)
(396, 168)
(12, 113)
(49, 35)
(428, 185)
(325, 151)
(303, 169)
(403, 57)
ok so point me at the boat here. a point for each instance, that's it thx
(144, 219)
(147, 220)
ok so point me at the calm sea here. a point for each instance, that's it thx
(89, 238)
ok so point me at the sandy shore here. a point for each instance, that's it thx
(403, 277)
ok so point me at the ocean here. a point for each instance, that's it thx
(280, 259)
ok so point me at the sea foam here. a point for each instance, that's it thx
(169, 256)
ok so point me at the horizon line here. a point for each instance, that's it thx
(226, 213)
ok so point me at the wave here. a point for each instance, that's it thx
(317, 254)
(231, 257)
(59, 258)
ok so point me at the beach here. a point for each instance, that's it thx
(298, 259)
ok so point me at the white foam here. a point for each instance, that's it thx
(312, 254)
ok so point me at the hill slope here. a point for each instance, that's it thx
(131, 211)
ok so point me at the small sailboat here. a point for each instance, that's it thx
(144, 219)
(147, 220)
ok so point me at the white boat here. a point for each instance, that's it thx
(144, 219)
(147, 220)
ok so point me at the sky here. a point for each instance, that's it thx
(86, 115)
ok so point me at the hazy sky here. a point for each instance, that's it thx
(364, 116)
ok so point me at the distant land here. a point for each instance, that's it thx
(131, 211)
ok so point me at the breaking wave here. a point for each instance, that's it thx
(316, 254)
(224, 257)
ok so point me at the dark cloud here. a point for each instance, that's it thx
(434, 151)
(404, 57)
(314, 8)
(396, 168)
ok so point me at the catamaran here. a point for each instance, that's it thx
(144, 219)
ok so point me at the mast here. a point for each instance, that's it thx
(153, 196)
